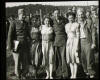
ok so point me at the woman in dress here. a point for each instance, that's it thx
(47, 47)
(36, 47)
(72, 30)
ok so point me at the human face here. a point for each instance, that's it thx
(21, 16)
(34, 20)
(70, 18)
(80, 16)
(87, 14)
(94, 13)
(56, 13)
(92, 7)
(46, 21)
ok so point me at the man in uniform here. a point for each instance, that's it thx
(60, 43)
(17, 43)
(87, 43)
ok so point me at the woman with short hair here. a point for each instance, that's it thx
(47, 47)
(72, 30)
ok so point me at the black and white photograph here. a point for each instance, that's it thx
(52, 40)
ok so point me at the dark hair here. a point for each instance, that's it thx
(88, 11)
(35, 16)
(50, 20)
(72, 14)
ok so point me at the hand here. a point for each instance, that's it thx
(8, 49)
(93, 46)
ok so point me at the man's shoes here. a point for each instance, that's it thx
(92, 76)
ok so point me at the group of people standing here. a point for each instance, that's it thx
(56, 44)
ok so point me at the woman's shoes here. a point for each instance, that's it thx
(47, 77)
(51, 77)
(72, 77)
(91, 76)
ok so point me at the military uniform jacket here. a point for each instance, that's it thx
(90, 32)
(18, 31)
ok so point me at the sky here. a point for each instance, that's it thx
(61, 3)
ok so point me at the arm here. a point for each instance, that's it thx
(10, 36)
(93, 33)
(28, 31)
(78, 36)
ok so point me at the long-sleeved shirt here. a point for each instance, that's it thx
(18, 31)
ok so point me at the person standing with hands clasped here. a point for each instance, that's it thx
(47, 47)
(72, 30)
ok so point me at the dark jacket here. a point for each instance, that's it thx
(18, 31)
(59, 29)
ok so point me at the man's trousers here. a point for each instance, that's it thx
(87, 57)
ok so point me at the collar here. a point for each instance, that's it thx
(83, 22)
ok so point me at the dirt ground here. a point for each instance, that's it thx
(10, 69)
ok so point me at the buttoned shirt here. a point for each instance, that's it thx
(82, 33)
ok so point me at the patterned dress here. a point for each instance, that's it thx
(47, 45)
(35, 46)
(72, 41)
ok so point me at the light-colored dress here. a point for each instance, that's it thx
(72, 30)
(47, 45)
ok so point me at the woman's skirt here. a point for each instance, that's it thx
(48, 53)
(36, 53)
(71, 53)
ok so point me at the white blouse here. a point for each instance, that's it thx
(46, 30)
(72, 29)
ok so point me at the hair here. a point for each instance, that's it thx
(94, 9)
(80, 10)
(35, 16)
(71, 14)
(50, 20)
(88, 11)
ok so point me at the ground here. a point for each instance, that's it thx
(10, 69)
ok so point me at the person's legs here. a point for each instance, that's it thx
(57, 61)
(63, 61)
(75, 70)
(90, 59)
(47, 72)
(83, 56)
(51, 70)
(16, 56)
(45, 48)
(51, 59)
(43, 51)
(72, 70)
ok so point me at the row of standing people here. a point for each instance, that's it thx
(62, 44)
